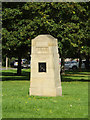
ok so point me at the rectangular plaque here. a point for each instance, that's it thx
(42, 67)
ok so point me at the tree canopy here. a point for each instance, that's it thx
(68, 22)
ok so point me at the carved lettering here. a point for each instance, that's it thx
(41, 49)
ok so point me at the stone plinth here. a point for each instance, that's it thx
(45, 70)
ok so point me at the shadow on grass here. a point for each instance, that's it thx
(12, 76)
(75, 78)
(82, 72)
(81, 76)
(69, 76)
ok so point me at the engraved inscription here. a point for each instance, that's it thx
(41, 44)
(41, 49)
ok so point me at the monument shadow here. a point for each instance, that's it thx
(10, 76)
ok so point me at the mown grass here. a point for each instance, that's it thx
(18, 104)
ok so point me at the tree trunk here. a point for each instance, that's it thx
(9, 60)
(19, 66)
(6, 63)
(80, 62)
(87, 62)
(62, 65)
(80, 59)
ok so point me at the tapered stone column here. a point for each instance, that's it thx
(45, 69)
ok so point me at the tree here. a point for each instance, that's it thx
(68, 22)
(16, 41)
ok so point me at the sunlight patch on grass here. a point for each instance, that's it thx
(18, 104)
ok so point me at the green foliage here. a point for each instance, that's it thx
(68, 22)
(16, 40)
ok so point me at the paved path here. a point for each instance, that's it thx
(8, 68)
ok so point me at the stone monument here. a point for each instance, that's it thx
(45, 69)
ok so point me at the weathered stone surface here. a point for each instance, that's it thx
(45, 70)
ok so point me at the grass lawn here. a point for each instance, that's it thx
(16, 102)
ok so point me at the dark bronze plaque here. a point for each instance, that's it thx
(42, 67)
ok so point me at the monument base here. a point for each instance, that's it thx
(45, 91)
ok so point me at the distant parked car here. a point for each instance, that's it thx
(12, 63)
(29, 64)
(26, 64)
(83, 64)
(71, 65)
(15, 63)
(22, 62)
